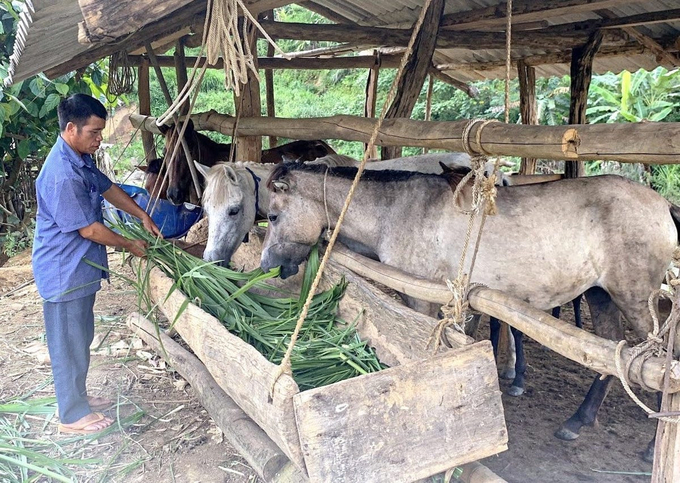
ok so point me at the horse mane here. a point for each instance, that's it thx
(452, 177)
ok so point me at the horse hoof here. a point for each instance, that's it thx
(515, 391)
(507, 374)
(565, 434)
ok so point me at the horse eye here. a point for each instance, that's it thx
(233, 211)
(272, 218)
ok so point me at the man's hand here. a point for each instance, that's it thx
(151, 226)
(137, 247)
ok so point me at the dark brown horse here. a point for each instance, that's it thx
(208, 152)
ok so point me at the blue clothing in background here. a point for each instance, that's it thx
(68, 194)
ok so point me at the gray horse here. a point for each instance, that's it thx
(605, 236)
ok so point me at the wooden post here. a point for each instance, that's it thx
(428, 103)
(371, 96)
(581, 74)
(269, 83)
(416, 70)
(181, 71)
(667, 450)
(248, 104)
(145, 109)
(527, 106)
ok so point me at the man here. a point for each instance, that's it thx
(69, 232)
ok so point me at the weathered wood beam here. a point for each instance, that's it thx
(527, 107)
(108, 21)
(415, 72)
(269, 84)
(567, 340)
(611, 21)
(181, 72)
(446, 39)
(249, 104)
(563, 57)
(645, 142)
(581, 75)
(144, 94)
(247, 437)
(185, 19)
(649, 43)
(524, 11)
(355, 62)
(371, 97)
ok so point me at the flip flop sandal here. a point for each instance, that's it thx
(102, 406)
(81, 428)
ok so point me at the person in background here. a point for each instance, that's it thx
(70, 233)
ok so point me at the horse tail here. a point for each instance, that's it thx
(675, 214)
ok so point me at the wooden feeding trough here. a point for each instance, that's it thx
(423, 415)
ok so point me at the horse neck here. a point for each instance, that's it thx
(210, 152)
(365, 216)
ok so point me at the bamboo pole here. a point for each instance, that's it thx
(573, 343)
(647, 142)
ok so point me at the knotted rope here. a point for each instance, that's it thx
(659, 342)
(455, 312)
(285, 367)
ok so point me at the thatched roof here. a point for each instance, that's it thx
(638, 33)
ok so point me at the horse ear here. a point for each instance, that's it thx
(280, 185)
(190, 126)
(202, 168)
(233, 177)
(142, 168)
(445, 168)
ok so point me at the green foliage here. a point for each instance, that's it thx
(17, 241)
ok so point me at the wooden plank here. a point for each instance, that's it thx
(144, 94)
(237, 367)
(406, 422)
(667, 451)
(249, 104)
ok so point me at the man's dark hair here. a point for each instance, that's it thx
(77, 109)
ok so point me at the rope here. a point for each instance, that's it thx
(285, 366)
(455, 312)
(654, 345)
(122, 75)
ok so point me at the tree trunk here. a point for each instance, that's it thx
(181, 71)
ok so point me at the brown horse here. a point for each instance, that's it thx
(604, 236)
(207, 152)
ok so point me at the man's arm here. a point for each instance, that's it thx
(99, 233)
(121, 200)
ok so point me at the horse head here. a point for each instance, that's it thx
(295, 224)
(180, 183)
(229, 201)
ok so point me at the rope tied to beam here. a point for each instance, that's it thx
(455, 312)
(659, 342)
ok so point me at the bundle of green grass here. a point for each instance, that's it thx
(328, 349)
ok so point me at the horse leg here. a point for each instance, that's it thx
(517, 388)
(577, 311)
(607, 323)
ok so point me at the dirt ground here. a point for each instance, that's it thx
(175, 439)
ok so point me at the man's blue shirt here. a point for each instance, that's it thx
(68, 193)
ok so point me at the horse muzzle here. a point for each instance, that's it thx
(288, 256)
